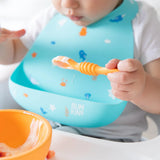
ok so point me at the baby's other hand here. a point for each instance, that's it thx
(130, 81)
(6, 34)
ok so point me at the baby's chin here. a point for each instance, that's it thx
(82, 23)
(79, 23)
(85, 23)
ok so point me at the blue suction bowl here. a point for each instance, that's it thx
(62, 109)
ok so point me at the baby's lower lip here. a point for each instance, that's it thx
(75, 18)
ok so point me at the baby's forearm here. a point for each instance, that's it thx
(11, 51)
(149, 100)
(6, 52)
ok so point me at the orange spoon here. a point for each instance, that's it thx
(83, 67)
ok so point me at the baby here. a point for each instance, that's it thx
(138, 79)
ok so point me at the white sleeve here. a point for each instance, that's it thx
(146, 28)
(36, 25)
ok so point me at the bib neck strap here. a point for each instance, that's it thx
(126, 12)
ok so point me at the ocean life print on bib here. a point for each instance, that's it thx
(68, 96)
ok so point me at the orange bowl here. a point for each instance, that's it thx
(15, 128)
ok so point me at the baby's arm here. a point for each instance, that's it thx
(135, 83)
(12, 49)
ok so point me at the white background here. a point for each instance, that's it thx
(15, 13)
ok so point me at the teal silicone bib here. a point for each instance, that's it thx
(67, 96)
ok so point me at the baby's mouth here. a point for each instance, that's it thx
(75, 18)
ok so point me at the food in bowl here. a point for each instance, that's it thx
(32, 140)
(23, 135)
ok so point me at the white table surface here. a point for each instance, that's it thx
(68, 146)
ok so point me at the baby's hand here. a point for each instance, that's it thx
(6, 34)
(129, 82)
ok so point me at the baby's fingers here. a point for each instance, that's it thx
(7, 34)
(112, 64)
(17, 34)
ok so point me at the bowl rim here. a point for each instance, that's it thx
(45, 121)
